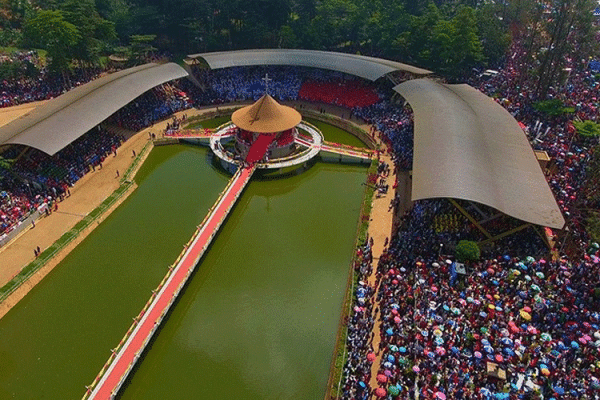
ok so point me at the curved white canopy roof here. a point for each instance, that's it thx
(467, 146)
(366, 67)
(60, 121)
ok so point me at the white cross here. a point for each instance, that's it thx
(267, 80)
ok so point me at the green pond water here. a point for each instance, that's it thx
(258, 319)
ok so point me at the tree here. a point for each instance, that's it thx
(587, 129)
(141, 46)
(553, 107)
(95, 32)
(50, 31)
(467, 250)
(493, 33)
(569, 29)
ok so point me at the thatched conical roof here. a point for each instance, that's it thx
(266, 116)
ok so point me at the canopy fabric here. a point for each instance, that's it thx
(467, 146)
(58, 122)
(365, 67)
(266, 116)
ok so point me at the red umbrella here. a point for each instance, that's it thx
(499, 358)
(380, 392)
(381, 378)
(371, 357)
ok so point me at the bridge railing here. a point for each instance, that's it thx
(115, 351)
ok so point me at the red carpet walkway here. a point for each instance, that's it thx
(259, 148)
(112, 376)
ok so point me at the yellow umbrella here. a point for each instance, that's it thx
(526, 316)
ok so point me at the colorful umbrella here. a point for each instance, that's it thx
(380, 392)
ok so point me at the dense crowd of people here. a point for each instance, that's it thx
(38, 180)
(515, 325)
(40, 84)
(154, 105)
(518, 324)
(535, 319)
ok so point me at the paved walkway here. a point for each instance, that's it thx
(148, 321)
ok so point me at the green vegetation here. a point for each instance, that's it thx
(337, 135)
(467, 250)
(588, 129)
(208, 123)
(593, 225)
(449, 37)
(553, 107)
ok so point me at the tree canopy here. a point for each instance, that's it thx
(449, 37)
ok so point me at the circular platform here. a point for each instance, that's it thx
(308, 147)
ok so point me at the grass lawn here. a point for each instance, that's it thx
(334, 134)
(209, 123)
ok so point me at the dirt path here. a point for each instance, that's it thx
(87, 194)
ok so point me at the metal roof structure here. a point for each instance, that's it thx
(467, 146)
(53, 125)
(365, 67)
(266, 116)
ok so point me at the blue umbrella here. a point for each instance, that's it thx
(509, 351)
(523, 266)
(506, 341)
(455, 350)
(559, 390)
(488, 349)
(485, 392)
(391, 358)
(389, 332)
(522, 294)
(402, 349)
(446, 308)
(574, 345)
(485, 342)
(362, 384)
(482, 314)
